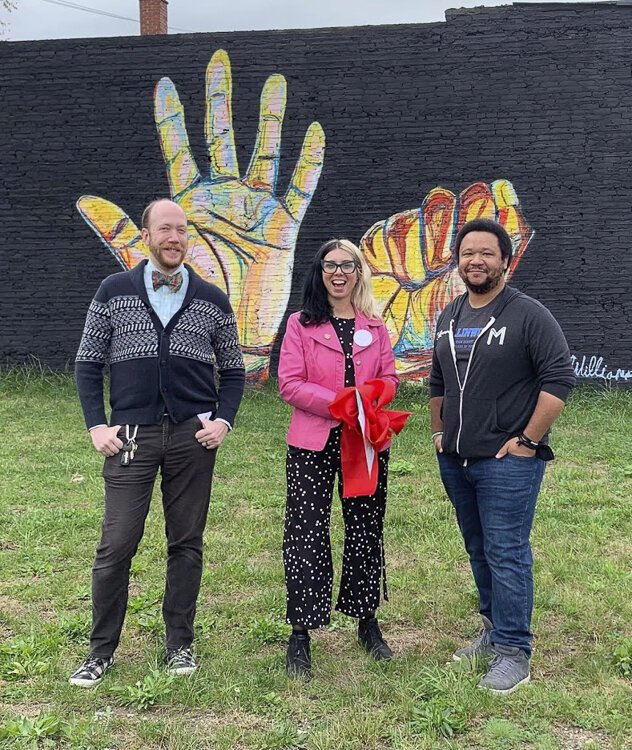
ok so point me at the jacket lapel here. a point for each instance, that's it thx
(194, 281)
(324, 334)
(137, 276)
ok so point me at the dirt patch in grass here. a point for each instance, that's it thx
(402, 640)
(128, 739)
(406, 559)
(263, 558)
(574, 738)
(5, 633)
(555, 644)
(201, 723)
(132, 649)
(29, 710)
(618, 550)
(12, 606)
(417, 640)
(208, 720)
(335, 642)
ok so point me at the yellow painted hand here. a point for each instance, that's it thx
(242, 235)
(414, 275)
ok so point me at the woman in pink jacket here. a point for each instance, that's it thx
(336, 340)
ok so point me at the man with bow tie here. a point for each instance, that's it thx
(167, 336)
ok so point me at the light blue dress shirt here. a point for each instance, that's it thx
(165, 302)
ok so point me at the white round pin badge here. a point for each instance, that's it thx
(362, 337)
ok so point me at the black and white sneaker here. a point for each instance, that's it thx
(91, 672)
(181, 661)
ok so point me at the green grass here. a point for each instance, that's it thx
(240, 699)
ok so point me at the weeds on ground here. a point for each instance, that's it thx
(50, 516)
(623, 658)
(155, 688)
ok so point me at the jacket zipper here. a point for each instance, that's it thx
(490, 323)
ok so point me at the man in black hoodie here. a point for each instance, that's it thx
(501, 373)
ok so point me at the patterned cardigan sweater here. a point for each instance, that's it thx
(156, 369)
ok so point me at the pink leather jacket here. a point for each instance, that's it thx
(312, 371)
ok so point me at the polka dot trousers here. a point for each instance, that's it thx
(306, 543)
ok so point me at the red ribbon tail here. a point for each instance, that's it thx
(357, 479)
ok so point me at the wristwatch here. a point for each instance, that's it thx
(527, 442)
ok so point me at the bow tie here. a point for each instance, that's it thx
(173, 282)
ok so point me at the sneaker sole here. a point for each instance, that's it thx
(508, 691)
(182, 670)
(78, 682)
(380, 657)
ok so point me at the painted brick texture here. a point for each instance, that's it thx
(537, 95)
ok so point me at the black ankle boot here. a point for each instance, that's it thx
(370, 637)
(298, 661)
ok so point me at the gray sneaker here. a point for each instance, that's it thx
(507, 672)
(480, 648)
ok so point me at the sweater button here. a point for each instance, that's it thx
(328, 336)
(358, 362)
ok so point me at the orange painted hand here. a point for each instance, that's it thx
(242, 235)
(414, 275)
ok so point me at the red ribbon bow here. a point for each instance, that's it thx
(366, 429)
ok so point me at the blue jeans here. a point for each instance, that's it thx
(495, 500)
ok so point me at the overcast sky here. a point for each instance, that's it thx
(53, 19)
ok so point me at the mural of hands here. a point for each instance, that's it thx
(242, 235)
(414, 275)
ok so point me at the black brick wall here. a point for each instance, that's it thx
(539, 95)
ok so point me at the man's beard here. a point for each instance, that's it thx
(491, 282)
(157, 252)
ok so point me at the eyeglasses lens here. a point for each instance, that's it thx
(347, 267)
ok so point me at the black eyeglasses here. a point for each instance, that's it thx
(329, 266)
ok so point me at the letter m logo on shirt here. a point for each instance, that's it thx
(494, 334)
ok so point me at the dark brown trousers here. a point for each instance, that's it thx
(186, 470)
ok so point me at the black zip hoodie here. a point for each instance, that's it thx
(519, 352)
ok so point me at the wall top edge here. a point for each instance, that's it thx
(450, 14)
(158, 38)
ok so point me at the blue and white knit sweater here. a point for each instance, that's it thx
(154, 369)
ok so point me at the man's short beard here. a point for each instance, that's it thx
(489, 284)
(156, 254)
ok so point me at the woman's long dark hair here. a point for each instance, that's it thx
(315, 302)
